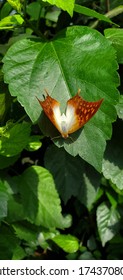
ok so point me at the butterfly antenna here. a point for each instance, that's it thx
(78, 92)
(46, 91)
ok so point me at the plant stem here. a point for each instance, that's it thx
(24, 9)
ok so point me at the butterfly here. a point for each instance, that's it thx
(78, 113)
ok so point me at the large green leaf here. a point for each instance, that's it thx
(78, 58)
(40, 198)
(64, 5)
(107, 222)
(115, 35)
(72, 177)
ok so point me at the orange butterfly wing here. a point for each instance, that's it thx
(48, 105)
(78, 113)
(83, 111)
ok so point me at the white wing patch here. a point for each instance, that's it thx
(70, 116)
(65, 121)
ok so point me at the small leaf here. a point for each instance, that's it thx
(68, 242)
(16, 4)
(64, 5)
(115, 35)
(90, 13)
(107, 222)
(34, 143)
(3, 200)
(10, 22)
(86, 256)
(14, 139)
(5, 10)
(18, 253)
(112, 167)
(119, 107)
(34, 10)
(40, 199)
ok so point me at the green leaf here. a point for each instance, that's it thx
(5, 10)
(29, 66)
(14, 139)
(10, 22)
(2, 105)
(72, 177)
(66, 170)
(7, 161)
(112, 13)
(34, 10)
(26, 232)
(89, 190)
(44, 236)
(119, 107)
(40, 199)
(16, 4)
(64, 5)
(112, 167)
(18, 253)
(3, 200)
(86, 256)
(90, 13)
(67, 242)
(107, 222)
(15, 210)
(8, 242)
(115, 35)
(34, 143)
(53, 15)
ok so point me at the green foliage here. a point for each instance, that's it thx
(64, 5)
(107, 222)
(14, 139)
(67, 242)
(78, 180)
(116, 37)
(60, 198)
(89, 12)
(10, 22)
(89, 77)
(37, 189)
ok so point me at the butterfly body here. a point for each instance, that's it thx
(78, 112)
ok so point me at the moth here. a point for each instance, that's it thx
(78, 113)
